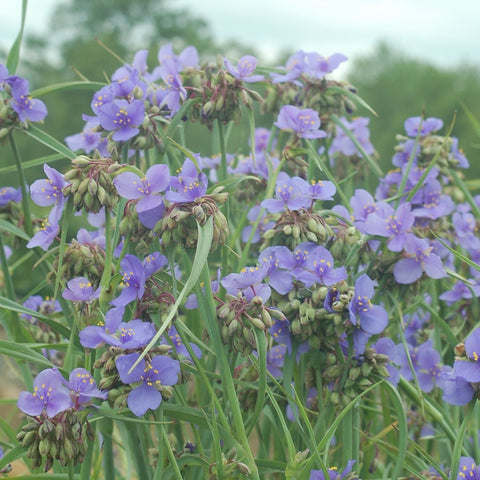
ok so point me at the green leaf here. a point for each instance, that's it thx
(49, 141)
(352, 96)
(14, 53)
(24, 353)
(205, 236)
(12, 455)
(16, 307)
(58, 87)
(34, 163)
(8, 227)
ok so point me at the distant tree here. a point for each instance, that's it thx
(398, 86)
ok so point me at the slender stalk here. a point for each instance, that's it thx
(27, 216)
(105, 280)
(106, 429)
(227, 379)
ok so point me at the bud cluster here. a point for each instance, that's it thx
(350, 378)
(64, 437)
(232, 467)
(179, 223)
(238, 317)
(312, 319)
(80, 260)
(296, 226)
(222, 96)
(91, 183)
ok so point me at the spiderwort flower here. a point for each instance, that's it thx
(179, 346)
(456, 390)
(249, 282)
(122, 117)
(10, 194)
(290, 194)
(304, 123)
(89, 139)
(370, 318)
(332, 472)
(146, 191)
(394, 224)
(161, 370)
(49, 396)
(49, 229)
(81, 290)
(467, 469)
(418, 126)
(83, 387)
(135, 274)
(244, 69)
(318, 66)
(342, 142)
(127, 335)
(469, 368)
(319, 269)
(23, 104)
(295, 67)
(189, 183)
(420, 259)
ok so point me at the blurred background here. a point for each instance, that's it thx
(405, 57)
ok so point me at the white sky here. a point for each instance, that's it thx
(440, 31)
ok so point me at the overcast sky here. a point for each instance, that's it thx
(444, 32)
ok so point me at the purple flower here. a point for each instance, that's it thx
(122, 117)
(290, 194)
(24, 105)
(244, 69)
(434, 203)
(392, 224)
(80, 289)
(469, 368)
(372, 319)
(304, 123)
(278, 261)
(461, 291)
(318, 66)
(161, 370)
(189, 183)
(458, 155)
(10, 194)
(342, 142)
(89, 139)
(467, 469)
(179, 346)
(135, 274)
(146, 191)
(175, 92)
(49, 229)
(49, 192)
(332, 473)
(249, 282)
(419, 259)
(321, 190)
(83, 387)
(101, 98)
(418, 126)
(275, 359)
(456, 390)
(48, 398)
(187, 58)
(39, 304)
(319, 269)
(295, 67)
(127, 335)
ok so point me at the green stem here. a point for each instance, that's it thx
(10, 320)
(107, 270)
(323, 168)
(106, 429)
(227, 379)
(27, 216)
